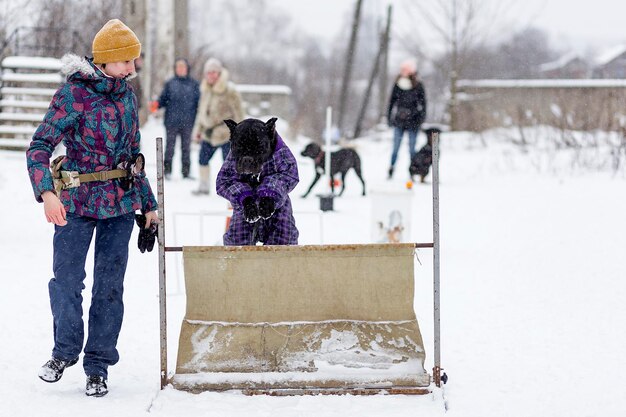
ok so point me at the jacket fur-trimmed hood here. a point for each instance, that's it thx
(82, 70)
(71, 64)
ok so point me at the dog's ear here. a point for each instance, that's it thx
(231, 125)
(271, 124)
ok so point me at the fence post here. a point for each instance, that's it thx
(162, 283)
(436, 284)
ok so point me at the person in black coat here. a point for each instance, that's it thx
(180, 98)
(407, 109)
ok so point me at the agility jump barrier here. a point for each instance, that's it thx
(294, 317)
(300, 319)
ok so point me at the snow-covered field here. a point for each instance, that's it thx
(533, 290)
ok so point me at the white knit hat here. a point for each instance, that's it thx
(213, 65)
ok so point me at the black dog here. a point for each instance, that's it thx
(256, 178)
(340, 161)
(423, 159)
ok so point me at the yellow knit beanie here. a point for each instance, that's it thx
(115, 42)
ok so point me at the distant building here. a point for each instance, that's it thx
(266, 100)
(569, 66)
(611, 64)
(569, 104)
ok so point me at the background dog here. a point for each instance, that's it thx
(340, 162)
(256, 177)
(423, 159)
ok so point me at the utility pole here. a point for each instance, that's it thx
(454, 74)
(384, 36)
(171, 37)
(135, 14)
(163, 52)
(181, 29)
(348, 68)
(384, 70)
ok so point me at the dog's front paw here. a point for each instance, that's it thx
(267, 207)
(250, 210)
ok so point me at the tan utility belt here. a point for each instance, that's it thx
(72, 179)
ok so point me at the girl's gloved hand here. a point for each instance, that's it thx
(148, 230)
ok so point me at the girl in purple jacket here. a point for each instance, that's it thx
(100, 184)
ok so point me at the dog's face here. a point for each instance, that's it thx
(312, 150)
(252, 143)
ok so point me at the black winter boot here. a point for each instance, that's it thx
(52, 370)
(96, 386)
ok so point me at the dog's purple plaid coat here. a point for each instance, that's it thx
(278, 177)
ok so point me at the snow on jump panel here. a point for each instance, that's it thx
(296, 317)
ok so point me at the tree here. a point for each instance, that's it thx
(461, 26)
(522, 55)
(378, 64)
(71, 25)
(260, 44)
(518, 57)
(347, 72)
(365, 55)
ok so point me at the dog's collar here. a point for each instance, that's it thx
(318, 158)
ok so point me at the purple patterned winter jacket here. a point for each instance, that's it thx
(278, 177)
(96, 119)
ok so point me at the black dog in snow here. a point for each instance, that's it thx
(340, 162)
(423, 159)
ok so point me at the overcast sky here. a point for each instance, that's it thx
(587, 22)
(575, 24)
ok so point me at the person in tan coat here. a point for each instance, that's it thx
(219, 100)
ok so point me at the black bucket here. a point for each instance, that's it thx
(326, 202)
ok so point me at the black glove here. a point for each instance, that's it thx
(146, 236)
(250, 210)
(267, 207)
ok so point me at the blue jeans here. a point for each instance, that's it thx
(398, 132)
(71, 243)
(207, 150)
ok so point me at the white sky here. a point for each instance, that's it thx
(572, 24)
(582, 23)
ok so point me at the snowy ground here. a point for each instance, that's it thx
(533, 296)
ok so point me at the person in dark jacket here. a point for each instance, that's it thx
(180, 98)
(407, 109)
